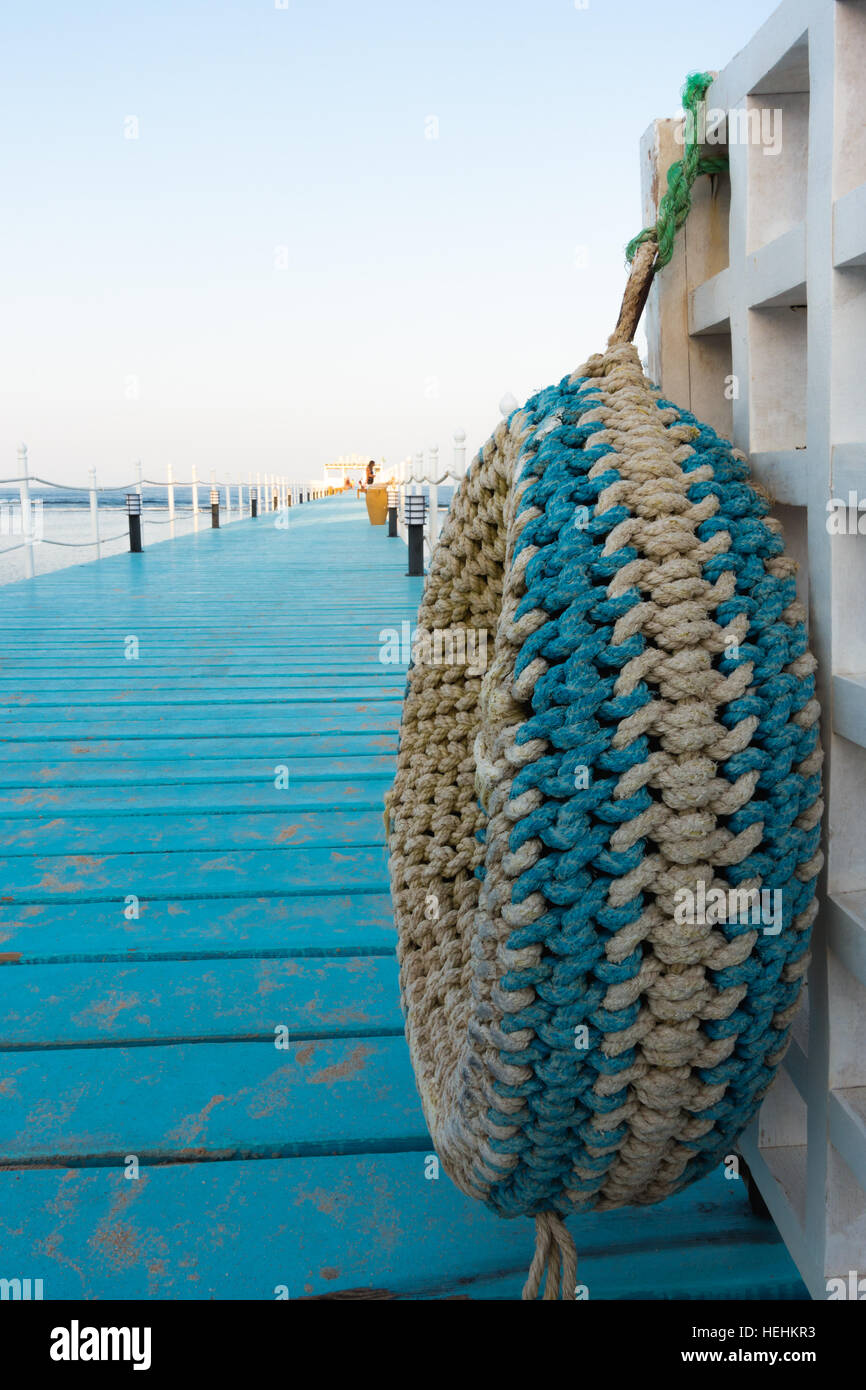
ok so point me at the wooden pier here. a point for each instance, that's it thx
(204, 1088)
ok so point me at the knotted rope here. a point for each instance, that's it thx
(645, 732)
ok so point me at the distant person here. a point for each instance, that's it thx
(371, 473)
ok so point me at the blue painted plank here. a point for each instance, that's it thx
(338, 784)
(347, 743)
(157, 1001)
(326, 925)
(167, 833)
(103, 690)
(141, 704)
(278, 722)
(190, 875)
(220, 1100)
(320, 1226)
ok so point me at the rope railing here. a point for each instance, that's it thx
(267, 492)
(423, 472)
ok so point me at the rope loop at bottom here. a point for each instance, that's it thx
(555, 1257)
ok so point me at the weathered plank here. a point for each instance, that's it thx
(159, 1001)
(232, 780)
(207, 1100)
(327, 925)
(167, 833)
(187, 753)
(187, 875)
(316, 1227)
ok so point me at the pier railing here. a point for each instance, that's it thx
(262, 492)
(422, 475)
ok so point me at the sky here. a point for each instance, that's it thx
(260, 234)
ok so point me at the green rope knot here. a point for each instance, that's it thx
(675, 204)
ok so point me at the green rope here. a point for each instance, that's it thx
(675, 203)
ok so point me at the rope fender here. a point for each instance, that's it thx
(645, 732)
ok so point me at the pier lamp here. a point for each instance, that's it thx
(393, 497)
(133, 511)
(215, 508)
(415, 511)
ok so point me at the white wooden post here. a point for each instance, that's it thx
(401, 495)
(194, 497)
(170, 491)
(433, 486)
(259, 492)
(140, 485)
(94, 512)
(24, 495)
(459, 456)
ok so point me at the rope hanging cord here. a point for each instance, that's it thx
(652, 248)
(643, 740)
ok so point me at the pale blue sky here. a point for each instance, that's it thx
(420, 278)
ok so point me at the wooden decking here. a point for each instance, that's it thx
(264, 1171)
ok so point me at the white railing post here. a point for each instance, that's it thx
(140, 485)
(24, 495)
(169, 481)
(94, 512)
(459, 456)
(259, 492)
(194, 497)
(400, 472)
(433, 488)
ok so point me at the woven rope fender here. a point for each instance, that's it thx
(643, 737)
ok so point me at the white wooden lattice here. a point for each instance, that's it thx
(758, 326)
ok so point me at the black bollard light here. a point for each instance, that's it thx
(415, 505)
(133, 511)
(254, 502)
(215, 508)
(393, 498)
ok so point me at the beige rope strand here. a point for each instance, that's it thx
(555, 1257)
(636, 293)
